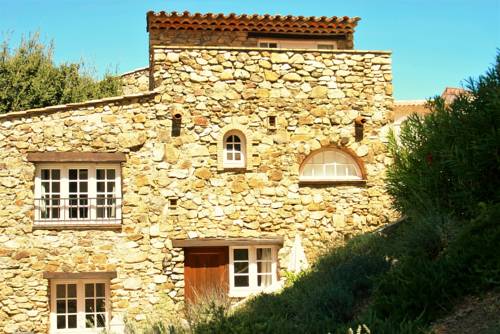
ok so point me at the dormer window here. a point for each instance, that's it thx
(234, 150)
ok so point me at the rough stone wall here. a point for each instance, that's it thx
(200, 38)
(167, 37)
(315, 96)
(136, 81)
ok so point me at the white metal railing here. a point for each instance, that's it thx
(77, 210)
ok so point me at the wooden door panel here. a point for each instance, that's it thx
(205, 269)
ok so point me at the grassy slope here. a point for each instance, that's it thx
(394, 282)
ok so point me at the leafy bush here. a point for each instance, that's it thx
(449, 161)
(30, 79)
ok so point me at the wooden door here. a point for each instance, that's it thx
(205, 271)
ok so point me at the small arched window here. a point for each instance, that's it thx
(234, 150)
(330, 165)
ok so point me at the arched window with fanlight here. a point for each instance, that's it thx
(330, 164)
(234, 150)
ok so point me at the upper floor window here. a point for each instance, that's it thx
(234, 150)
(330, 165)
(77, 194)
(268, 45)
(252, 269)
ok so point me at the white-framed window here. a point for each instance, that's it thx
(286, 43)
(234, 150)
(77, 193)
(268, 45)
(330, 165)
(252, 269)
(79, 306)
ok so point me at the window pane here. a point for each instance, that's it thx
(72, 306)
(61, 321)
(318, 158)
(341, 170)
(237, 156)
(237, 147)
(236, 139)
(99, 305)
(111, 187)
(89, 321)
(307, 170)
(60, 291)
(329, 157)
(73, 187)
(73, 174)
(45, 188)
(89, 306)
(351, 170)
(263, 267)
(45, 174)
(264, 280)
(100, 174)
(72, 290)
(264, 254)
(241, 254)
(318, 170)
(330, 170)
(101, 320)
(111, 174)
(84, 173)
(99, 287)
(229, 156)
(240, 281)
(100, 187)
(56, 187)
(89, 290)
(241, 267)
(84, 187)
(61, 306)
(56, 174)
(71, 321)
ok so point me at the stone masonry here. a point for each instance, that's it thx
(315, 95)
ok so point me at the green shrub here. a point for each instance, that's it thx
(449, 161)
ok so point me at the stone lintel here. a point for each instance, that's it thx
(76, 157)
(182, 243)
(81, 275)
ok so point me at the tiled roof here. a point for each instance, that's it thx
(252, 23)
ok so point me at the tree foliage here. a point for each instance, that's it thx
(449, 161)
(29, 78)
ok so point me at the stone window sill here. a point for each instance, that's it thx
(313, 183)
(235, 169)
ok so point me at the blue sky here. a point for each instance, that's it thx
(434, 43)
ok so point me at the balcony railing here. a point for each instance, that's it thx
(78, 211)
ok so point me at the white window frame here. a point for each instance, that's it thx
(80, 306)
(284, 43)
(253, 288)
(324, 177)
(243, 144)
(64, 193)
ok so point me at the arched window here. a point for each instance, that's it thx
(330, 165)
(234, 150)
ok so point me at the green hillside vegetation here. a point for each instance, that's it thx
(445, 178)
(29, 78)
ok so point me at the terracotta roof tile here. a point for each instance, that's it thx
(252, 23)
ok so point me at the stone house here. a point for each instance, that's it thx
(245, 136)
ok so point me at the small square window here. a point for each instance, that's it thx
(172, 205)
